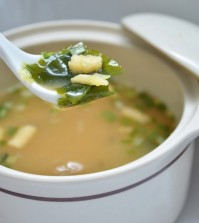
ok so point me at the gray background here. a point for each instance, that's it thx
(14, 13)
(19, 12)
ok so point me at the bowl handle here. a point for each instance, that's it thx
(191, 132)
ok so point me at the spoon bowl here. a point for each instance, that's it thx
(14, 58)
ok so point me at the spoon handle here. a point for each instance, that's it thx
(176, 38)
(13, 56)
(8, 53)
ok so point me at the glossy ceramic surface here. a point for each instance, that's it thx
(176, 38)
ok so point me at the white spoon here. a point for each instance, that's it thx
(14, 58)
(176, 38)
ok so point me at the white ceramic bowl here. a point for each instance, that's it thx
(151, 189)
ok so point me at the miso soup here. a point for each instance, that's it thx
(37, 138)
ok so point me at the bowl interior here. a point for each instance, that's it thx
(144, 70)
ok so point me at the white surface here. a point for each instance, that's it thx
(190, 213)
(23, 12)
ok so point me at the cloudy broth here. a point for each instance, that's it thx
(36, 137)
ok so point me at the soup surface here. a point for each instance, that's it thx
(36, 137)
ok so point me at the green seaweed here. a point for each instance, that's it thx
(52, 71)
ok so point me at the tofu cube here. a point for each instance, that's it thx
(94, 79)
(85, 64)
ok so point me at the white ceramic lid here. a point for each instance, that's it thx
(176, 38)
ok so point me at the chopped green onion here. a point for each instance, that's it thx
(7, 160)
(11, 131)
(109, 116)
(3, 111)
(3, 143)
